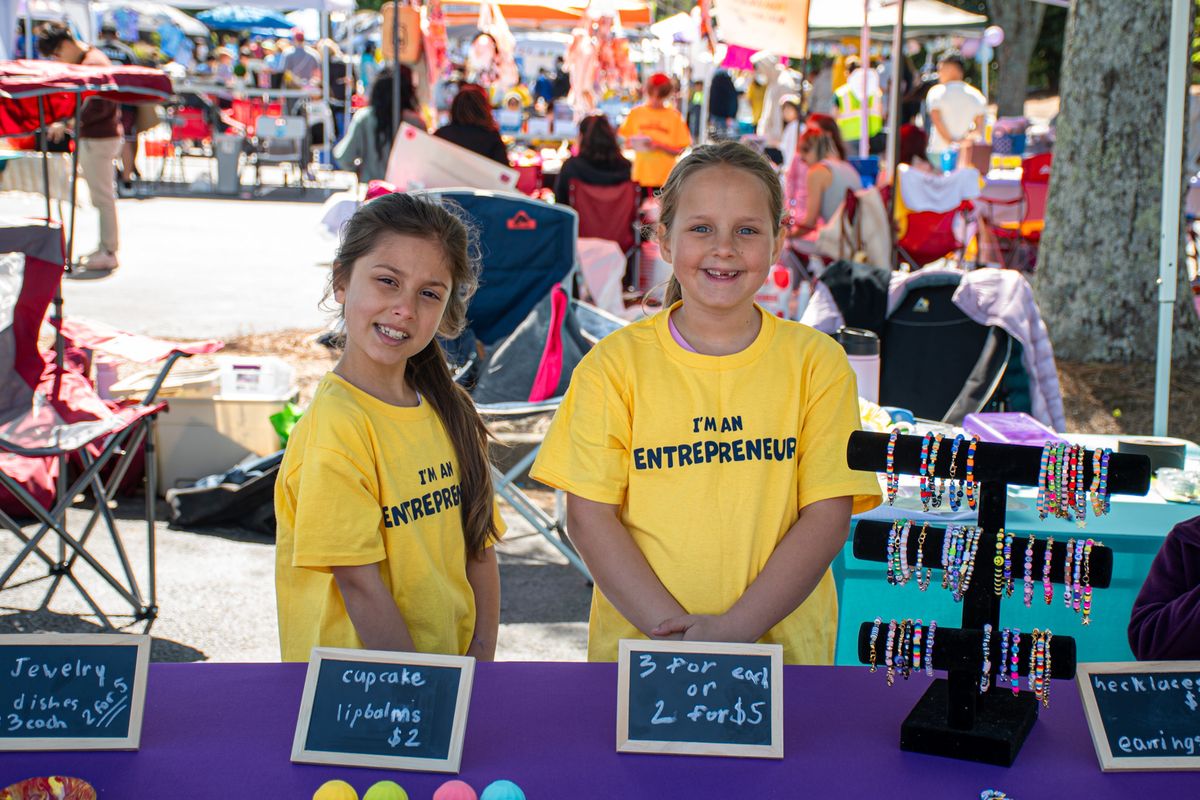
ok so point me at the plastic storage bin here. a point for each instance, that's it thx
(263, 377)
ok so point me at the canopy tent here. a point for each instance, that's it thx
(259, 21)
(327, 6)
(633, 13)
(151, 16)
(60, 86)
(832, 18)
(76, 12)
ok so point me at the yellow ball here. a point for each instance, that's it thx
(386, 790)
(335, 790)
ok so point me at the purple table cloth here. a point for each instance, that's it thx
(225, 731)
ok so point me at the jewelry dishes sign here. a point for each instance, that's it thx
(72, 691)
(1143, 715)
(372, 708)
(700, 698)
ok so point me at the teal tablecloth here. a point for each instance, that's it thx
(1134, 529)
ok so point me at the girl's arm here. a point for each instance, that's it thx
(791, 573)
(483, 574)
(618, 566)
(372, 609)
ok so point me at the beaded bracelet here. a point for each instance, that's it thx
(949, 541)
(893, 534)
(929, 647)
(993, 794)
(924, 472)
(874, 638)
(903, 573)
(916, 646)
(903, 643)
(1072, 480)
(1008, 579)
(887, 653)
(973, 536)
(1001, 674)
(970, 477)
(1081, 491)
(985, 678)
(1067, 571)
(955, 494)
(1015, 678)
(1046, 637)
(1087, 581)
(1047, 560)
(892, 479)
(1064, 479)
(922, 583)
(998, 562)
(1100, 501)
(936, 486)
(1051, 476)
(1077, 587)
(1027, 582)
(1043, 482)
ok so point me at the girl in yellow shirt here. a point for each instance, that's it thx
(704, 450)
(384, 501)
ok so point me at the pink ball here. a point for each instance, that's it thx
(455, 790)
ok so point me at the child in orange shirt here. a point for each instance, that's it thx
(657, 131)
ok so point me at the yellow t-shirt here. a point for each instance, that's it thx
(664, 126)
(711, 459)
(366, 482)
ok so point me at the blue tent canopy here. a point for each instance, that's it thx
(259, 21)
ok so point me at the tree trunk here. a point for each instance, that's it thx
(1098, 265)
(1021, 21)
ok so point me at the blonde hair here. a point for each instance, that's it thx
(413, 214)
(730, 154)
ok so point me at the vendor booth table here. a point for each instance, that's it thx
(1134, 529)
(225, 730)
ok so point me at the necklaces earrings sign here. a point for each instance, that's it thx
(72, 691)
(374, 708)
(700, 698)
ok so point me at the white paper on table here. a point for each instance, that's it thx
(421, 161)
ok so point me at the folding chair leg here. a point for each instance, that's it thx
(550, 528)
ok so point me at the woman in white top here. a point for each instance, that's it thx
(828, 178)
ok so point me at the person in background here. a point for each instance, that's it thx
(722, 105)
(789, 109)
(861, 88)
(827, 180)
(562, 79)
(599, 160)
(543, 87)
(956, 109)
(1165, 623)
(472, 125)
(302, 63)
(99, 141)
(657, 132)
(830, 126)
(368, 140)
(120, 53)
(368, 65)
(341, 83)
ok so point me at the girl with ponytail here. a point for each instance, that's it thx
(386, 517)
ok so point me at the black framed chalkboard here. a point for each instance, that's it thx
(72, 691)
(1143, 715)
(702, 698)
(376, 708)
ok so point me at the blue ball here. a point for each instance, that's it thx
(502, 790)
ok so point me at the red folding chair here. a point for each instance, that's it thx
(51, 419)
(1013, 226)
(609, 212)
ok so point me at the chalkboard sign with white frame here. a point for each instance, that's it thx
(700, 698)
(1143, 715)
(72, 691)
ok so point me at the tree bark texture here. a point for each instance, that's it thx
(1098, 261)
(1021, 21)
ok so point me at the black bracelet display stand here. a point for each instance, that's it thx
(953, 718)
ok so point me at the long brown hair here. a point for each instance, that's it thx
(830, 126)
(727, 153)
(598, 142)
(471, 106)
(420, 216)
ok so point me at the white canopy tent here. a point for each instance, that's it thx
(828, 18)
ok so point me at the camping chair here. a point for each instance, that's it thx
(281, 140)
(932, 214)
(610, 212)
(524, 379)
(1013, 226)
(978, 367)
(527, 249)
(51, 420)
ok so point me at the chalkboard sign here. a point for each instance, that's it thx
(373, 708)
(1143, 715)
(700, 698)
(72, 691)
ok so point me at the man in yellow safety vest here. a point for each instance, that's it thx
(861, 83)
